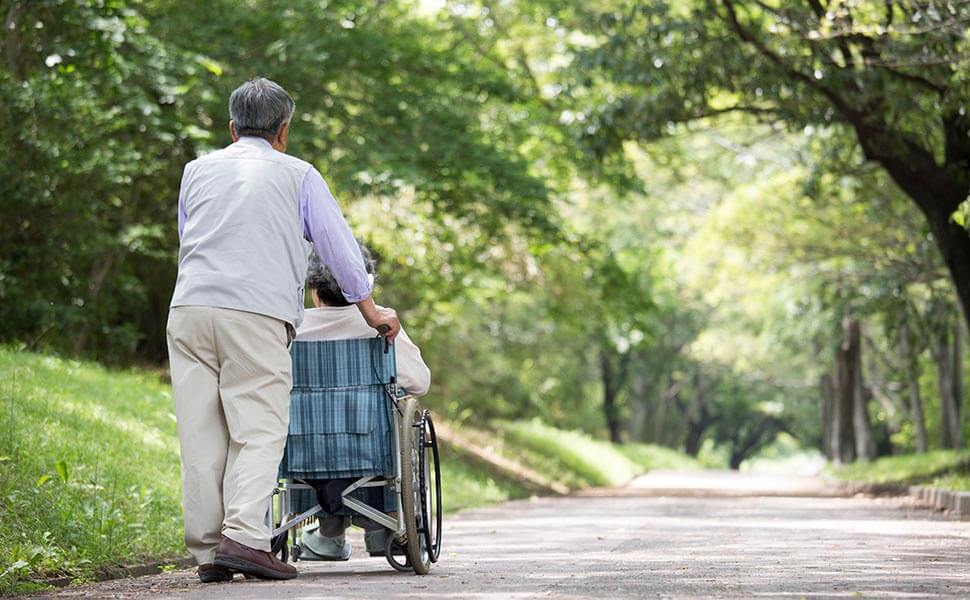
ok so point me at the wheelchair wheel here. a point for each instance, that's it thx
(392, 549)
(412, 503)
(430, 483)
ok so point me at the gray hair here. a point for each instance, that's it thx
(321, 280)
(260, 107)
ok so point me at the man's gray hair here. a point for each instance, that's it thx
(260, 107)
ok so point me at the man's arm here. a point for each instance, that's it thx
(325, 226)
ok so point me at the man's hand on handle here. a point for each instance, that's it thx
(380, 318)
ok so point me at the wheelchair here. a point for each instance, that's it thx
(358, 446)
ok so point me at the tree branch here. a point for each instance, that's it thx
(11, 42)
(817, 8)
(746, 36)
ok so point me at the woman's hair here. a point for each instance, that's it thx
(320, 279)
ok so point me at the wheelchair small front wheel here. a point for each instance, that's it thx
(393, 549)
(411, 501)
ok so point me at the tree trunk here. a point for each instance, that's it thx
(698, 418)
(99, 274)
(864, 445)
(660, 420)
(827, 394)
(843, 432)
(641, 405)
(915, 399)
(938, 190)
(916, 410)
(755, 439)
(610, 409)
(692, 443)
(949, 384)
(11, 27)
(954, 243)
(957, 374)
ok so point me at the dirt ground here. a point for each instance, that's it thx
(668, 535)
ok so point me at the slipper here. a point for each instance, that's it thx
(317, 547)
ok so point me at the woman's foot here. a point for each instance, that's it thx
(375, 540)
(318, 547)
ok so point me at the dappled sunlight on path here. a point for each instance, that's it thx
(730, 483)
(721, 542)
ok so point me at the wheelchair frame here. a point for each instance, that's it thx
(420, 539)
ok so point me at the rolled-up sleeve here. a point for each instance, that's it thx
(324, 225)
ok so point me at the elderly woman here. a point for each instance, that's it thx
(333, 318)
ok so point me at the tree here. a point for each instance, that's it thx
(111, 99)
(890, 72)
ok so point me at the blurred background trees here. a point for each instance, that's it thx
(701, 224)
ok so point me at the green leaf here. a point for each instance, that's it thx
(211, 66)
(61, 468)
(959, 218)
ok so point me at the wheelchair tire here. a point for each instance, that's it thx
(411, 502)
(430, 493)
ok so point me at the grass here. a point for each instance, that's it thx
(89, 468)
(954, 481)
(467, 485)
(650, 457)
(907, 468)
(577, 460)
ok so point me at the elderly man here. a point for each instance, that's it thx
(245, 213)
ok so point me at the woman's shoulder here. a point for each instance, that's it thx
(333, 323)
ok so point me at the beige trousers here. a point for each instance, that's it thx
(231, 380)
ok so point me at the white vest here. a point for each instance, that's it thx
(242, 243)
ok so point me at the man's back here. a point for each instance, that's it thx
(243, 243)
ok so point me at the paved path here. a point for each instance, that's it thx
(726, 539)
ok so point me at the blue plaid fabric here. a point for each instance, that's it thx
(340, 419)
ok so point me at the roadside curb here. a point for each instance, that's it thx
(956, 503)
(124, 572)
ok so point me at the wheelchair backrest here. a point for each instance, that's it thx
(340, 419)
(322, 365)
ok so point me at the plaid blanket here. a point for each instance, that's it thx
(340, 420)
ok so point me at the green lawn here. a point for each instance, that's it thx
(954, 481)
(578, 460)
(907, 468)
(467, 485)
(89, 468)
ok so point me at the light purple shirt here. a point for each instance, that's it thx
(325, 226)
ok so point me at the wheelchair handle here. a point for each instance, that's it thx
(382, 329)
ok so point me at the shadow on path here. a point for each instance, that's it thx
(725, 536)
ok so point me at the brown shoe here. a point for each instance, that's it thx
(234, 556)
(212, 574)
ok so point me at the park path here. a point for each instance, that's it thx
(667, 535)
